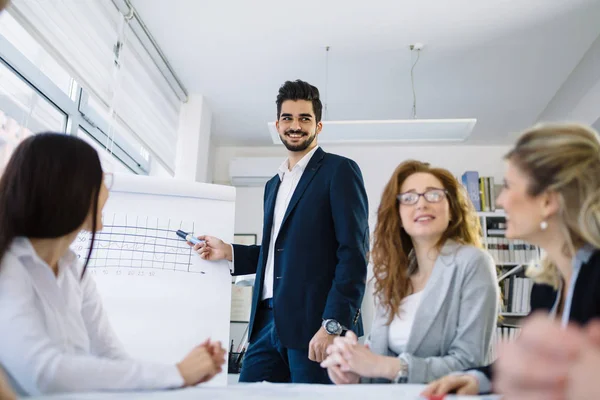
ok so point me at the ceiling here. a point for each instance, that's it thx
(500, 61)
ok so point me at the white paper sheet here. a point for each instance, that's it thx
(241, 303)
(161, 298)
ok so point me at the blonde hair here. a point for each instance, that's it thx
(563, 158)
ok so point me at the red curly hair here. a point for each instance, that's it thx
(392, 257)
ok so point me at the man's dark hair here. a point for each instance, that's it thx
(300, 90)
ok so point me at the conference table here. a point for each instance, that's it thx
(271, 391)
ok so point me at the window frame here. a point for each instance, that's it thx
(76, 115)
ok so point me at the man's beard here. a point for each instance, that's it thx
(298, 146)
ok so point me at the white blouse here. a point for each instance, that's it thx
(55, 335)
(401, 325)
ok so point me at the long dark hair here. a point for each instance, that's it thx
(47, 189)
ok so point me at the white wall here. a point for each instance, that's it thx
(193, 140)
(156, 169)
(377, 164)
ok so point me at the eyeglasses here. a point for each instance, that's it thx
(108, 180)
(432, 196)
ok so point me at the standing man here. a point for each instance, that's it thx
(312, 265)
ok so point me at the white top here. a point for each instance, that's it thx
(55, 335)
(289, 182)
(401, 325)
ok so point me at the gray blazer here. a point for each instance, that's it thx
(456, 320)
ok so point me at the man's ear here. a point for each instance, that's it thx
(319, 127)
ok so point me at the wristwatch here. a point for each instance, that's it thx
(402, 375)
(332, 327)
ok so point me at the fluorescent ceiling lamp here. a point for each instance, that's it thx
(390, 131)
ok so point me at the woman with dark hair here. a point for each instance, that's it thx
(435, 288)
(55, 334)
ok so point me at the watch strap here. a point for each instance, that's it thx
(402, 375)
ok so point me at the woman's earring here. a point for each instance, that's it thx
(543, 225)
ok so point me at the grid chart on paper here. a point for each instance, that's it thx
(138, 242)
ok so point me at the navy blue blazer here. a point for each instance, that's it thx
(320, 264)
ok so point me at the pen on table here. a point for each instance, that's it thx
(188, 237)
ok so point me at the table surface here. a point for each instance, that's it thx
(264, 390)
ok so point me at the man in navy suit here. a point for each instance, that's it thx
(312, 264)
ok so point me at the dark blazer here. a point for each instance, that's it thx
(585, 304)
(320, 264)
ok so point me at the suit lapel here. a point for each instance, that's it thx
(270, 199)
(311, 169)
(433, 296)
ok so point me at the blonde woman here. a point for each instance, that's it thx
(435, 288)
(551, 197)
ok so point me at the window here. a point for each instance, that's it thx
(33, 51)
(109, 164)
(80, 35)
(145, 102)
(26, 106)
(114, 62)
(38, 92)
(116, 140)
(97, 111)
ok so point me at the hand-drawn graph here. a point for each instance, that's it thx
(131, 241)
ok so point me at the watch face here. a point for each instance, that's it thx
(332, 326)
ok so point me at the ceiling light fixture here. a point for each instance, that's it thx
(388, 131)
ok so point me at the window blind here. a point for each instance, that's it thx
(94, 43)
(145, 101)
(80, 35)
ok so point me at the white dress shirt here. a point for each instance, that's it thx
(55, 335)
(289, 182)
(401, 325)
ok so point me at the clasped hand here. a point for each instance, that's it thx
(202, 363)
(347, 360)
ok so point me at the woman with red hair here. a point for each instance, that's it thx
(436, 293)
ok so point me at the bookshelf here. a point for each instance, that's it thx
(510, 257)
